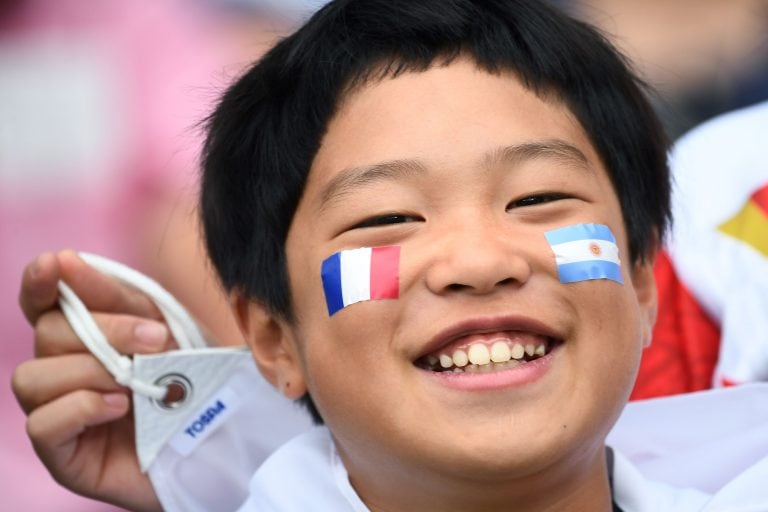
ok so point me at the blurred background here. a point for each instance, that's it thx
(704, 57)
(100, 109)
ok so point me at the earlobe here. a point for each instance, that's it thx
(271, 345)
(644, 282)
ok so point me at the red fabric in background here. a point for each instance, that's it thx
(685, 344)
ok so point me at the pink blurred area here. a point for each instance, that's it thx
(99, 106)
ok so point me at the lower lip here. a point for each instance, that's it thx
(487, 381)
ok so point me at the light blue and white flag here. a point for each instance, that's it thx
(585, 251)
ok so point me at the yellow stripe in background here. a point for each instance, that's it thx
(750, 225)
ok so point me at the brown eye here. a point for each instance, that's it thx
(385, 220)
(535, 200)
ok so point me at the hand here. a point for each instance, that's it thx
(78, 416)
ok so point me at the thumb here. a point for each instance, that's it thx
(102, 293)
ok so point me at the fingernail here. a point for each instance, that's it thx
(116, 400)
(151, 335)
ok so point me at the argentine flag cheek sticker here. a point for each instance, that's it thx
(368, 273)
(585, 251)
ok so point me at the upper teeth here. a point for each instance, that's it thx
(500, 352)
(460, 358)
(480, 354)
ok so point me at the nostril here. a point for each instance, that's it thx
(477, 272)
(457, 287)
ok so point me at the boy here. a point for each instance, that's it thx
(469, 140)
(460, 132)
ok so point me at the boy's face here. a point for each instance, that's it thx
(465, 171)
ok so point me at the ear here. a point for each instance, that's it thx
(271, 344)
(644, 283)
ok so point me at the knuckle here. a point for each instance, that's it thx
(35, 430)
(85, 403)
(115, 328)
(108, 323)
(20, 381)
(48, 329)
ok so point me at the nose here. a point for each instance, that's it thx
(478, 258)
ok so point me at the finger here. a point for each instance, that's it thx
(54, 428)
(39, 381)
(100, 292)
(38, 291)
(127, 334)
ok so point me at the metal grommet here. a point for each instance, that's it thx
(179, 391)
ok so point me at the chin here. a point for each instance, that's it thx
(504, 453)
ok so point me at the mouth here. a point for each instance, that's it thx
(484, 346)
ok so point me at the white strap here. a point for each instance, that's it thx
(184, 329)
(182, 326)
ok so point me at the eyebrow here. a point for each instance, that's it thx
(393, 170)
(558, 150)
(356, 177)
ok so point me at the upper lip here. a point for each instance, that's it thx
(487, 325)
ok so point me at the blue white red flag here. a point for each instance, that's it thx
(585, 251)
(368, 273)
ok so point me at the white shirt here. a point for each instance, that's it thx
(307, 474)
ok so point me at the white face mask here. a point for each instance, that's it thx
(202, 452)
(205, 417)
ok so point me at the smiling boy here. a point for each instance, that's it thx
(464, 134)
(465, 171)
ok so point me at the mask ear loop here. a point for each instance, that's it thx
(184, 329)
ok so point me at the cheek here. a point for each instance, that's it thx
(606, 352)
(611, 318)
(352, 372)
(343, 353)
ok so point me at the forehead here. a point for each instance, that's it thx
(443, 117)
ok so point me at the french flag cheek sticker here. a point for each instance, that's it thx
(356, 275)
(585, 251)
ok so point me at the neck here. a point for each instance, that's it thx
(573, 485)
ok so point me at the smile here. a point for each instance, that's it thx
(484, 346)
(500, 351)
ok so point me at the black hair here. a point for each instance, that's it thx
(265, 132)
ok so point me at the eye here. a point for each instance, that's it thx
(386, 220)
(537, 199)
